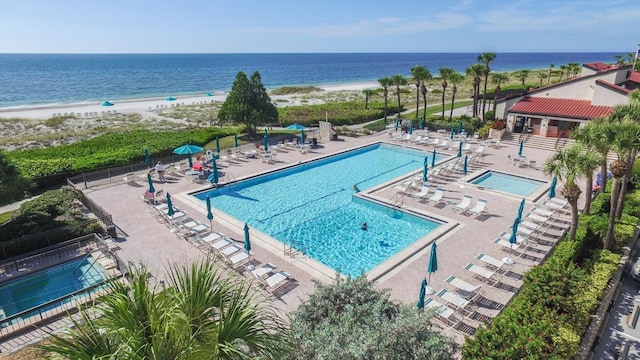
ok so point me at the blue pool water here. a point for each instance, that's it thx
(41, 287)
(508, 183)
(314, 204)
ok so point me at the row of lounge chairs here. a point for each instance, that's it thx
(438, 197)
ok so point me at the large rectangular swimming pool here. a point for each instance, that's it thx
(312, 206)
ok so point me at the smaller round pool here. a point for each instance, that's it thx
(508, 183)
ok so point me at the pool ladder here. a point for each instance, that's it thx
(396, 203)
(292, 248)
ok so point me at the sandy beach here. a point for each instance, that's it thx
(149, 107)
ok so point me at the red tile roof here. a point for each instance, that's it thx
(635, 77)
(566, 108)
(619, 88)
(597, 66)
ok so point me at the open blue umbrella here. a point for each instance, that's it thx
(465, 165)
(460, 149)
(217, 145)
(151, 188)
(295, 127)
(552, 189)
(410, 127)
(106, 103)
(433, 265)
(521, 208)
(235, 140)
(170, 98)
(266, 140)
(421, 123)
(213, 177)
(433, 159)
(460, 127)
(302, 136)
(187, 149)
(209, 213)
(247, 241)
(147, 159)
(170, 210)
(521, 147)
(425, 177)
(208, 94)
(423, 292)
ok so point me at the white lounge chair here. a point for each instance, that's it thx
(482, 274)
(467, 148)
(239, 258)
(229, 250)
(480, 208)
(263, 270)
(458, 302)
(276, 280)
(493, 263)
(467, 290)
(443, 312)
(221, 243)
(422, 193)
(464, 203)
(211, 237)
(437, 196)
(435, 142)
(479, 150)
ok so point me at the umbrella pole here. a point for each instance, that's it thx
(429, 290)
(509, 260)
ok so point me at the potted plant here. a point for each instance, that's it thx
(498, 128)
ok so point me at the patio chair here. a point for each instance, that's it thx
(422, 193)
(492, 262)
(482, 274)
(465, 289)
(456, 301)
(435, 142)
(276, 280)
(230, 250)
(464, 203)
(437, 196)
(467, 148)
(239, 258)
(444, 313)
(263, 270)
(479, 209)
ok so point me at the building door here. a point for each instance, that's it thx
(519, 124)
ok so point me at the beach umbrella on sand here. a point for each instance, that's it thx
(425, 177)
(247, 241)
(302, 136)
(217, 145)
(433, 266)
(151, 188)
(521, 147)
(460, 149)
(295, 127)
(170, 210)
(209, 213)
(552, 189)
(147, 159)
(421, 123)
(423, 292)
(170, 98)
(106, 103)
(266, 140)
(235, 141)
(208, 94)
(213, 177)
(433, 159)
(512, 240)
(521, 208)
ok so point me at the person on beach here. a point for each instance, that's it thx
(160, 171)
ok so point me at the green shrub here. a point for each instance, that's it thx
(601, 203)
(632, 203)
(565, 343)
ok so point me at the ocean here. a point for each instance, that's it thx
(55, 79)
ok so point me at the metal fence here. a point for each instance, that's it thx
(97, 210)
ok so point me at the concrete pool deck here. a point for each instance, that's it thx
(142, 239)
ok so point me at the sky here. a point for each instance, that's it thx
(321, 26)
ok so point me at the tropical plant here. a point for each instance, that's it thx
(629, 114)
(522, 76)
(367, 94)
(551, 66)
(486, 59)
(351, 319)
(445, 72)
(399, 80)
(541, 77)
(12, 185)
(475, 71)
(419, 74)
(385, 82)
(574, 69)
(200, 315)
(596, 140)
(455, 79)
(248, 103)
(423, 91)
(497, 79)
(563, 69)
(565, 165)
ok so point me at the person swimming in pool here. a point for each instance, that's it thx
(364, 226)
(356, 188)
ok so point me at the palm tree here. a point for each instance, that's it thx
(565, 165)
(368, 93)
(423, 91)
(563, 68)
(419, 74)
(202, 315)
(551, 66)
(575, 69)
(541, 77)
(455, 78)
(475, 71)
(630, 57)
(522, 76)
(385, 82)
(399, 80)
(619, 59)
(497, 79)
(445, 72)
(486, 59)
(629, 117)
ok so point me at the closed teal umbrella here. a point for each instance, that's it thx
(552, 189)
(170, 210)
(521, 208)
(433, 159)
(465, 167)
(410, 127)
(460, 149)
(433, 265)
(397, 125)
(302, 136)
(235, 140)
(512, 240)
(421, 123)
(213, 177)
(266, 140)
(423, 292)
(460, 127)
(424, 172)
(521, 147)
(151, 188)
(209, 213)
(217, 145)
(453, 132)
(147, 159)
(247, 241)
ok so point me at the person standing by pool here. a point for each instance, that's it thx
(160, 171)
